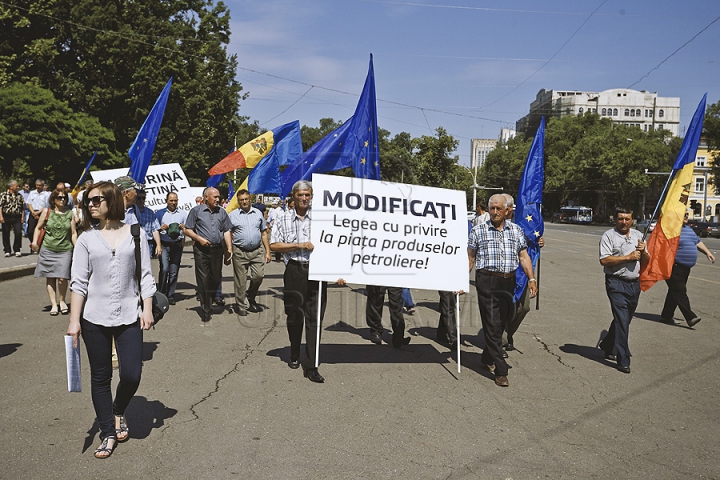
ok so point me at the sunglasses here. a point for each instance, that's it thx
(61, 197)
(95, 201)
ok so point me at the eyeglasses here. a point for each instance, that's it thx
(95, 201)
(61, 197)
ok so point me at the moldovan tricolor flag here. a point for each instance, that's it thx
(663, 242)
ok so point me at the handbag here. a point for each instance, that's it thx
(160, 303)
(41, 232)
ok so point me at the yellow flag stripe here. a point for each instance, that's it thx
(675, 204)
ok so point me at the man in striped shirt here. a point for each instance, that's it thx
(251, 251)
(495, 249)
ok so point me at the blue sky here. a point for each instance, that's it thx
(471, 67)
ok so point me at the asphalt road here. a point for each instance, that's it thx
(218, 401)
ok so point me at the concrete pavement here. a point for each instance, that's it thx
(218, 401)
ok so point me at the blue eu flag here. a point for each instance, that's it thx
(142, 148)
(354, 144)
(527, 206)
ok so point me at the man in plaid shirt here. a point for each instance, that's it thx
(495, 249)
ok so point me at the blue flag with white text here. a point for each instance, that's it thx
(353, 144)
(142, 148)
(527, 206)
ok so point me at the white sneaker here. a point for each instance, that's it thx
(7, 255)
(18, 254)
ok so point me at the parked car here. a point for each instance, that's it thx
(556, 218)
(705, 229)
(642, 225)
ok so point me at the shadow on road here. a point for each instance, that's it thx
(8, 349)
(142, 415)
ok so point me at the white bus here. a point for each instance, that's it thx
(575, 215)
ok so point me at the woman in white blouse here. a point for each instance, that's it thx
(105, 304)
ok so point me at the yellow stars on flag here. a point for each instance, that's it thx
(362, 160)
(529, 218)
(537, 234)
(366, 143)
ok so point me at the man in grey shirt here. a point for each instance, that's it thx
(209, 226)
(622, 252)
(251, 251)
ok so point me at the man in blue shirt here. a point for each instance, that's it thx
(685, 259)
(149, 222)
(251, 251)
(172, 222)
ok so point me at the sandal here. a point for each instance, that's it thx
(122, 433)
(54, 312)
(64, 309)
(105, 450)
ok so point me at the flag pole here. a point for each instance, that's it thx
(457, 326)
(537, 282)
(660, 202)
(319, 315)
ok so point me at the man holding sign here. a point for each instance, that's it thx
(496, 248)
(291, 237)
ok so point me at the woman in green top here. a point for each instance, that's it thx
(56, 251)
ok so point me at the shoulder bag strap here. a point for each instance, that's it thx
(135, 230)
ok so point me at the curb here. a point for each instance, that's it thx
(16, 272)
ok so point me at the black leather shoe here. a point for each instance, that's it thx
(509, 347)
(294, 364)
(505, 354)
(219, 302)
(375, 338)
(254, 307)
(611, 357)
(694, 321)
(314, 376)
(623, 369)
(171, 300)
(400, 343)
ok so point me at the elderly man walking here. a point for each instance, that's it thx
(251, 251)
(37, 201)
(209, 226)
(496, 248)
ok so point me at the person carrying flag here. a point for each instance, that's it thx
(622, 252)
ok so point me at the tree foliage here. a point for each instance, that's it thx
(110, 60)
(42, 136)
(711, 133)
(589, 160)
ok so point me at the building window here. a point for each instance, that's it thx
(700, 161)
(567, 111)
(581, 110)
(717, 209)
(660, 126)
(615, 112)
(594, 110)
(699, 185)
(604, 111)
(661, 113)
(645, 127)
(637, 112)
(632, 112)
(627, 112)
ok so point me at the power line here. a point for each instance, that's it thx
(672, 54)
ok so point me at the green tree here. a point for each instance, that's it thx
(311, 135)
(435, 164)
(44, 137)
(112, 59)
(397, 162)
(711, 133)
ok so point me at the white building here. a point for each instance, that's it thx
(480, 147)
(634, 108)
(505, 135)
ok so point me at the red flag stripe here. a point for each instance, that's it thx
(662, 252)
(233, 161)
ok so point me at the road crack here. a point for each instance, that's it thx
(547, 349)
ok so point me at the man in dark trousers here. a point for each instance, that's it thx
(209, 226)
(496, 249)
(685, 259)
(291, 238)
(373, 314)
(622, 252)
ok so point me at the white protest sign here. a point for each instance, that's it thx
(393, 234)
(159, 181)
